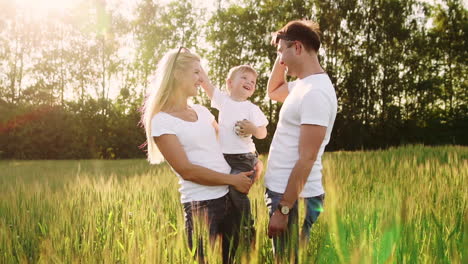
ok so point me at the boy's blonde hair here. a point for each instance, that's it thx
(163, 87)
(238, 70)
(241, 69)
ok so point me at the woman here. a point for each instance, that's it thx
(185, 136)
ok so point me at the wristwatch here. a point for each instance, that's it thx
(283, 209)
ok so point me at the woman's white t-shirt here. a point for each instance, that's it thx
(230, 112)
(201, 147)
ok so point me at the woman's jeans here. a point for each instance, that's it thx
(216, 214)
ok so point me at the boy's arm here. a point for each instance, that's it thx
(206, 83)
(256, 127)
(277, 86)
(261, 132)
(216, 127)
(247, 127)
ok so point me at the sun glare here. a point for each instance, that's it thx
(41, 9)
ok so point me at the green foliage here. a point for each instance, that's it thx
(399, 68)
(74, 131)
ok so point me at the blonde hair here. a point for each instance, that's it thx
(241, 69)
(162, 88)
(238, 70)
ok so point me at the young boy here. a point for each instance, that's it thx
(239, 120)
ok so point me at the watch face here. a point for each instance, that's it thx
(284, 210)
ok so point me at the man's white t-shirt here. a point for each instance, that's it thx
(231, 111)
(311, 100)
(201, 147)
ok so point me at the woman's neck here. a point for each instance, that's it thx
(175, 105)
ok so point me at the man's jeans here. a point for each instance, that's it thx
(242, 163)
(216, 215)
(288, 242)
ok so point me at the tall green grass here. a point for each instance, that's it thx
(402, 205)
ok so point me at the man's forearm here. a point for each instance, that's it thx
(310, 141)
(296, 181)
(277, 77)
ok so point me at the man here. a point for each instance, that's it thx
(304, 128)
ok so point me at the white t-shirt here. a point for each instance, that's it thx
(311, 100)
(231, 111)
(201, 147)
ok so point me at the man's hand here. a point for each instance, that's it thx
(278, 224)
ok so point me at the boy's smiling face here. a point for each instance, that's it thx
(242, 85)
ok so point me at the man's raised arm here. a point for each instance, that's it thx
(277, 86)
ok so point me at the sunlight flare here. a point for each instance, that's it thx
(42, 9)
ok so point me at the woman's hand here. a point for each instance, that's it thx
(242, 182)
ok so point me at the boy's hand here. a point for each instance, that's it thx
(246, 128)
(203, 76)
(205, 83)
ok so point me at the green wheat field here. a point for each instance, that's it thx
(401, 205)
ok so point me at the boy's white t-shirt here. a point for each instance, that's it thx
(311, 100)
(201, 147)
(231, 111)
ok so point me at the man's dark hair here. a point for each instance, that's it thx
(305, 31)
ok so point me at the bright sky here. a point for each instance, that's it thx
(130, 4)
(38, 10)
(42, 8)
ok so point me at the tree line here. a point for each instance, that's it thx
(72, 83)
